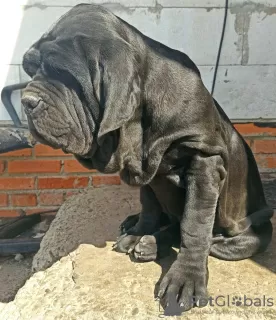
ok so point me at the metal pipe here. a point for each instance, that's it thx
(19, 245)
(15, 139)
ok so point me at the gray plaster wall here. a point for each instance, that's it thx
(246, 82)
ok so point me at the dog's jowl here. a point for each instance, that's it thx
(122, 102)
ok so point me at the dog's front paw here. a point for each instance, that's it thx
(184, 286)
(126, 243)
(129, 223)
(146, 249)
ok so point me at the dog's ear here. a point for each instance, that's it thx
(65, 62)
(120, 93)
(106, 72)
(109, 81)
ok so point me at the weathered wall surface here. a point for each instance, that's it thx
(246, 78)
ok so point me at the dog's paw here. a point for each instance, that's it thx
(126, 243)
(129, 223)
(184, 286)
(146, 249)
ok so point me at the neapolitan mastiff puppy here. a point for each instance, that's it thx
(122, 102)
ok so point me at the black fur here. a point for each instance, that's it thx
(122, 102)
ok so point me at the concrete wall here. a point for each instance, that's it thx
(246, 83)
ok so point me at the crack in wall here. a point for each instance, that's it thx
(156, 10)
(118, 7)
(36, 5)
(243, 14)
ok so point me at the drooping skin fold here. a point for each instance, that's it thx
(122, 102)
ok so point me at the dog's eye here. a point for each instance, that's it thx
(61, 75)
(49, 70)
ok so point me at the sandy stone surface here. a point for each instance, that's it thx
(97, 283)
(93, 282)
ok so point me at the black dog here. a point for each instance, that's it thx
(122, 102)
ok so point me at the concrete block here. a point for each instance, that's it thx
(71, 3)
(20, 28)
(212, 3)
(23, 78)
(261, 39)
(191, 3)
(146, 3)
(269, 3)
(247, 92)
(194, 31)
(10, 24)
(207, 74)
(23, 75)
(9, 74)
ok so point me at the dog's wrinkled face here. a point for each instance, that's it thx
(85, 86)
(56, 114)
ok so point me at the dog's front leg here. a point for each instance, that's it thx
(148, 222)
(186, 281)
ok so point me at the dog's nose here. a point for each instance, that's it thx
(30, 101)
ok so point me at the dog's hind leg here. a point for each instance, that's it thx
(254, 240)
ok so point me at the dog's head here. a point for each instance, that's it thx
(85, 84)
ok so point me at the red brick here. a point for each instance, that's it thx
(271, 162)
(249, 142)
(51, 211)
(18, 153)
(105, 179)
(34, 166)
(251, 129)
(3, 200)
(6, 213)
(71, 194)
(62, 182)
(2, 166)
(42, 150)
(75, 166)
(266, 162)
(264, 146)
(16, 183)
(51, 198)
(23, 200)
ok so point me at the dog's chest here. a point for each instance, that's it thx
(170, 197)
(169, 182)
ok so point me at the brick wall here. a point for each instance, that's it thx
(262, 141)
(42, 178)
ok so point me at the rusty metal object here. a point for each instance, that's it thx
(15, 139)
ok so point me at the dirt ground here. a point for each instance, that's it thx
(13, 275)
(16, 269)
